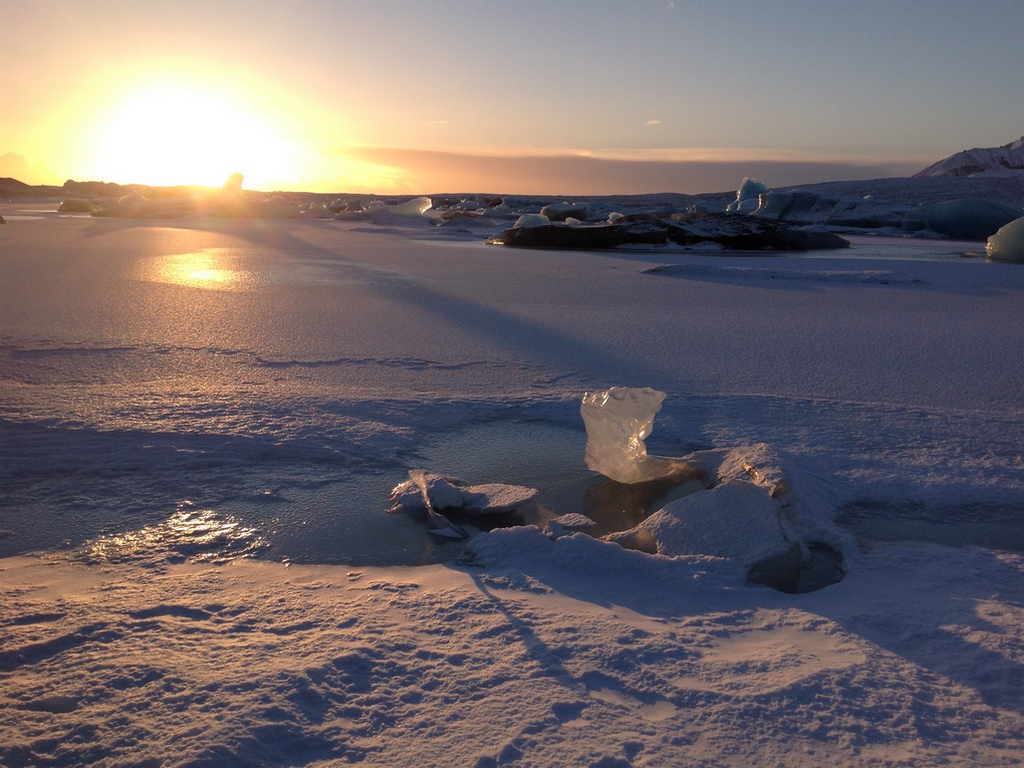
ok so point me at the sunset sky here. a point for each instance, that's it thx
(571, 96)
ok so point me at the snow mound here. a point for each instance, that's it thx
(761, 510)
(765, 513)
(736, 520)
(806, 499)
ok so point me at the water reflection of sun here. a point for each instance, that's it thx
(168, 133)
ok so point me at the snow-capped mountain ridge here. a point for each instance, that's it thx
(1004, 160)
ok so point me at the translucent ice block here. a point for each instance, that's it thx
(617, 421)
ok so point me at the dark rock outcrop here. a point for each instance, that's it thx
(729, 231)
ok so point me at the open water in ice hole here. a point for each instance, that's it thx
(344, 520)
(347, 522)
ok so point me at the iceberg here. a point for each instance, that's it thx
(962, 219)
(565, 211)
(1007, 244)
(415, 207)
(380, 212)
(748, 196)
(531, 220)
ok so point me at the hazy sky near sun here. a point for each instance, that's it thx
(580, 96)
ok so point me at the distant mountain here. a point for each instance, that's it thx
(997, 161)
(13, 186)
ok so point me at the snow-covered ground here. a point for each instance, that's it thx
(175, 394)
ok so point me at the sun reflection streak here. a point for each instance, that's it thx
(199, 535)
(209, 269)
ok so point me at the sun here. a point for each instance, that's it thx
(165, 133)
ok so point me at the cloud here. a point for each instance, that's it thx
(570, 174)
(653, 122)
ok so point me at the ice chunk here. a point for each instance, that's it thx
(493, 498)
(424, 488)
(450, 493)
(772, 205)
(1008, 243)
(617, 421)
(233, 184)
(437, 524)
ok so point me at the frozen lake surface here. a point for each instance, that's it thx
(258, 387)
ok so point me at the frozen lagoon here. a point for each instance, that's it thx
(279, 373)
(285, 374)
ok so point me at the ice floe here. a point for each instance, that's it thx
(449, 493)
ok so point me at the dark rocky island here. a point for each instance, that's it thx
(727, 231)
